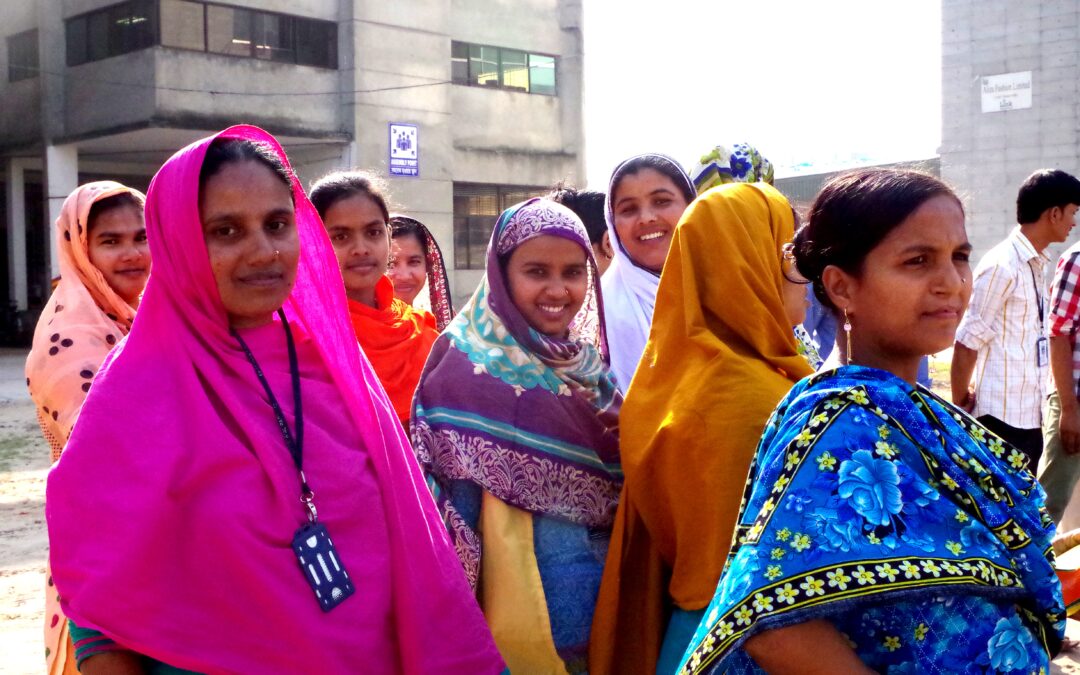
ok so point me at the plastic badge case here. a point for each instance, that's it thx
(322, 567)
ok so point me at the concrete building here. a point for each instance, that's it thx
(483, 100)
(1010, 103)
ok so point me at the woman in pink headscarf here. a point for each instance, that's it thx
(104, 263)
(231, 500)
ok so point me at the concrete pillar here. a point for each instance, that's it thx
(61, 177)
(16, 232)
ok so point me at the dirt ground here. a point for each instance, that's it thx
(24, 463)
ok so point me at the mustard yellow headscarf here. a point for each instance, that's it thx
(721, 354)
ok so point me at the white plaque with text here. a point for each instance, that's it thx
(1010, 91)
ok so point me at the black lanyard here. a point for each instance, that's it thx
(1038, 298)
(295, 443)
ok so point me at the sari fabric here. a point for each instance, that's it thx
(630, 291)
(736, 163)
(531, 422)
(435, 296)
(396, 340)
(177, 487)
(917, 532)
(719, 359)
(82, 321)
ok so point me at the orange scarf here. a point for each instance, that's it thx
(720, 357)
(396, 339)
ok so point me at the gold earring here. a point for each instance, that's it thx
(847, 334)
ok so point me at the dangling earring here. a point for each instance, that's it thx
(847, 335)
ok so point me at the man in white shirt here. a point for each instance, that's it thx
(1001, 357)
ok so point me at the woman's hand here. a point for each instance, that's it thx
(811, 648)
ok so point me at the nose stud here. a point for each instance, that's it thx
(277, 254)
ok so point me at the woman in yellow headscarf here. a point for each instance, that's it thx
(720, 356)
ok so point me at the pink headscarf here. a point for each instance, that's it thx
(131, 504)
(82, 321)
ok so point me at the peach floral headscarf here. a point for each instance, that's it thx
(82, 321)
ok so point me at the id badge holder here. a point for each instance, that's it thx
(321, 566)
(1042, 352)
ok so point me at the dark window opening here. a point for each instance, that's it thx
(22, 52)
(200, 26)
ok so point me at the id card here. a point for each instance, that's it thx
(322, 568)
(1042, 352)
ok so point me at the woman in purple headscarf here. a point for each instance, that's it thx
(182, 516)
(515, 422)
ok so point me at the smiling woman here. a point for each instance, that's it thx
(104, 264)
(516, 424)
(645, 199)
(238, 395)
(395, 337)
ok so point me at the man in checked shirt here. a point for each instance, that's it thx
(1059, 467)
(1001, 357)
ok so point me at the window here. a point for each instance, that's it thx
(200, 26)
(228, 30)
(183, 24)
(485, 66)
(476, 208)
(22, 50)
(119, 29)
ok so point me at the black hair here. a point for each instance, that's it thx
(664, 165)
(853, 213)
(224, 151)
(1045, 189)
(588, 205)
(404, 226)
(338, 185)
(109, 203)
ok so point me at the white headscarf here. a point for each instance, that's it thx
(629, 290)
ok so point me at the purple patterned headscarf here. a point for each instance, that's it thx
(529, 418)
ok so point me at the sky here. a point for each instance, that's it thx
(814, 85)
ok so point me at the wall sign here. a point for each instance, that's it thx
(1010, 91)
(404, 150)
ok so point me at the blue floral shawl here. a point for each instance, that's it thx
(921, 535)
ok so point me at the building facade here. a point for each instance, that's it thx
(463, 106)
(1010, 103)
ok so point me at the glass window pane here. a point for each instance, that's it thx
(22, 56)
(316, 43)
(274, 38)
(542, 74)
(182, 24)
(515, 69)
(76, 41)
(459, 62)
(228, 30)
(484, 65)
(131, 27)
(97, 36)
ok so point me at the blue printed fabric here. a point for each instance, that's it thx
(918, 533)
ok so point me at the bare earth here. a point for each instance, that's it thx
(24, 463)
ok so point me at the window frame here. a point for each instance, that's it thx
(502, 193)
(458, 46)
(297, 25)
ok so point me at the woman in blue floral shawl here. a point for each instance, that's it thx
(883, 529)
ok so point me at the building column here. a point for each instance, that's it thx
(61, 178)
(16, 232)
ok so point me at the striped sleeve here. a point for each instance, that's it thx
(989, 291)
(89, 642)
